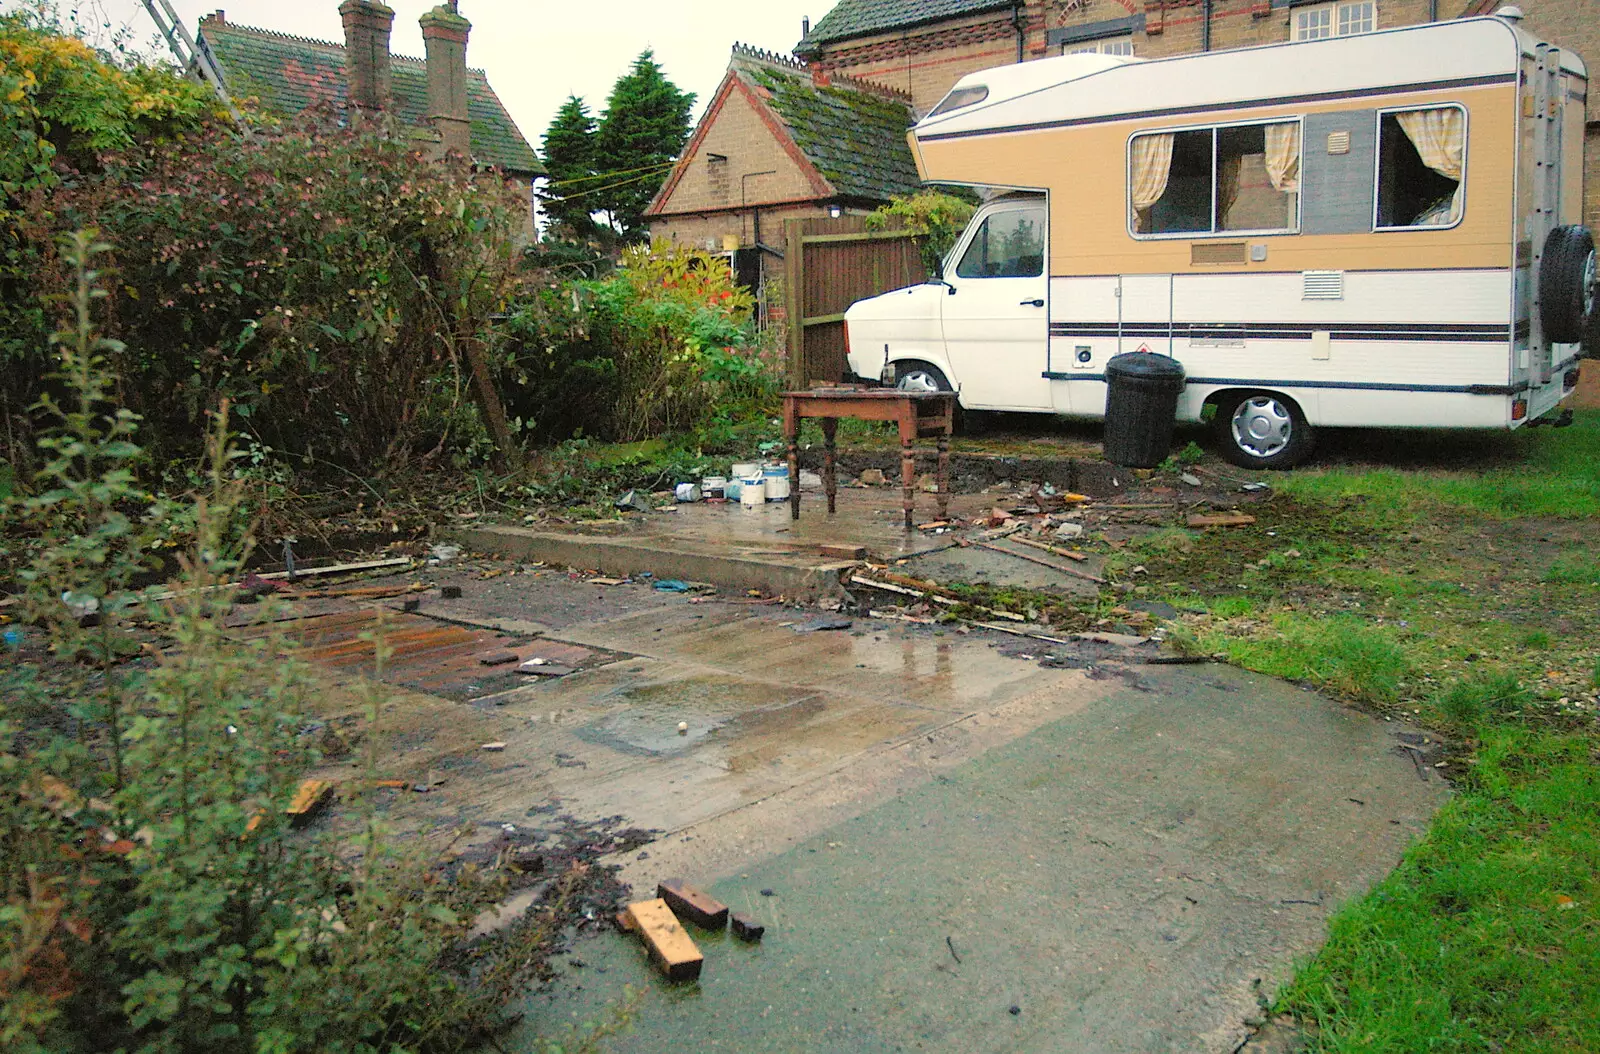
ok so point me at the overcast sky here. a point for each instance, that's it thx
(536, 52)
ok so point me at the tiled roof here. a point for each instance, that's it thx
(855, 137)
(290, 74)
(860, 18)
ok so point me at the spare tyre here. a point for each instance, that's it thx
(1566, 284)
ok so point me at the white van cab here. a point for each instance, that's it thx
(1378, 230)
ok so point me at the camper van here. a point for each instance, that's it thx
(1372, 231)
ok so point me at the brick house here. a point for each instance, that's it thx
(438, 101)
(779, 142)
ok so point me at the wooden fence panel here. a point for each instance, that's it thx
(829, 265)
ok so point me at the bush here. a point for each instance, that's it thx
(154, 898)
(936, 217)
(663, 344)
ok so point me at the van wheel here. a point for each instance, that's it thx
(1262, 430)
(920, 377)
(1566, 284)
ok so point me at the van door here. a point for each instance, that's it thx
(996, 323)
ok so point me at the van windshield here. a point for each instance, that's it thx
(1010, 244)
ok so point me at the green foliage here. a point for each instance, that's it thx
(569, 158)
(324, 281)
(1469, 701)
(664, 344)
(154, 898)
(1483, 939)
(645, 126)
(1343, 654)
(937, 218)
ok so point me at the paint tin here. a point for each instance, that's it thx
(745, 469)
(731, 488)
(777, 481)
(686, 492)
(712, 486)
(752, 491)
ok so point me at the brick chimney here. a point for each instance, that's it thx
(366, 53)
(444, 35)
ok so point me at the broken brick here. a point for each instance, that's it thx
(690, 903)
(746, 928)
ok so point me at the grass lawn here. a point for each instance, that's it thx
(1455, 580)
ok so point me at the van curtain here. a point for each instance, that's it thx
(1152, 165)
(1440, 137)
(1283, 157)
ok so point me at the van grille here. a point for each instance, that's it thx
(1216, 253)
(1322, 285)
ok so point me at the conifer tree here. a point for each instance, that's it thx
(569, 158)
(644, 128)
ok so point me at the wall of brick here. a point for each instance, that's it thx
(741, 135)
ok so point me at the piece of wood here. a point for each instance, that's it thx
(624, 922)
(549, 669)
(669, 944)
(1221, 519)
(1070, 554)
(497, 658)
(606, 581)
(1073, 571)
(746, 928)
(844, 552)
(308, 800)
(687, 902)
(336, 569)
(934, 526)
(1019, 632)
(889, 587)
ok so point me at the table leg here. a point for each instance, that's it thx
(830, 475)
(944, 476)
(908, 476)
(794, 477)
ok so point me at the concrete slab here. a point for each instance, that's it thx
(1137, 875)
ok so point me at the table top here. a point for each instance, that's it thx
(865, 394)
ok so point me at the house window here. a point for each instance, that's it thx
(1421, 167)
(1215, 180)
(1010, 244)
(1320, 21)
(1122, 45)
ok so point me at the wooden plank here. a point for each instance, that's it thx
(1070, 554)
(1062, 568)
(308, 800)
(687, 902)
(1221, 519)
(844, 552)
(335, 569)
(794, 299)
(859, 236)
(822, 320)
(669, 944)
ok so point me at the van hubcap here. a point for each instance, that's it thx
(917, 381)
(1262, 426)
(1588, 284)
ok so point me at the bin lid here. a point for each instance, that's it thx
(1144, 364)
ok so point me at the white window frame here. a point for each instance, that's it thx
(1377, 164)
(1121, 44)
(1334, 19)
(1299, 199)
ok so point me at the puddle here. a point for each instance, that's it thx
(650, 722)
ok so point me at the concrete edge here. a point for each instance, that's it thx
(626, 556)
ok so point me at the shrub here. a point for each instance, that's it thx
(936, 217)
(154, 898)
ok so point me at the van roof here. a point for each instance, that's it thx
(1072, 89)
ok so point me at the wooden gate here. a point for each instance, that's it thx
(829, 264)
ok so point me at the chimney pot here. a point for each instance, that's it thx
(367, 25)
(805, 28)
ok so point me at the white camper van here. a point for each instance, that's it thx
(1373, 230)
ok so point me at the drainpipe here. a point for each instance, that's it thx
(1020, 24)
(1205, 25)
(1433, 10)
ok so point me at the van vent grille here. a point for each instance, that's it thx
(1322, 285)
(1216, 253)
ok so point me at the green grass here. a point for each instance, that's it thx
(1540, 472)
(1487, 937)
(1342, 654)
(1575, 569)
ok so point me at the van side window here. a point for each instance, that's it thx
(1421, 167)
(1211, 180)
(1009, 245)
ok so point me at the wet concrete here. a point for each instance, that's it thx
(1133, 857)
(1137, 875)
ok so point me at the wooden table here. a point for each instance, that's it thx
(917, 414)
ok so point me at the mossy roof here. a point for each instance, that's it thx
(290, 74)
(855, 138)
(862, 18)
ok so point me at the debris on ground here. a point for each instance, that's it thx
(746, 928)
(309, 799)
(671, 948)
(819, 625)
(1220, 519)
(545, 668)
(687, 902)
(672, 585)
(633, 501)
(443, 554)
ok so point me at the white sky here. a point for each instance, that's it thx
(536, 52)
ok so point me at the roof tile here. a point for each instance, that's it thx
(291, 74)
(860, 18)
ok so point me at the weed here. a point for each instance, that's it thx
(1574, 569)
(1535, 640)
(1468, 702)
(1342, 653)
